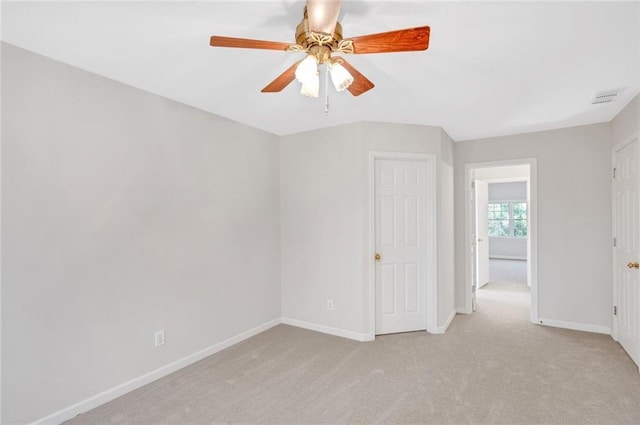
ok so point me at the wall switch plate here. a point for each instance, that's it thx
(329, 304)
(159, 338)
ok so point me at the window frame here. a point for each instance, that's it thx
(511, 218)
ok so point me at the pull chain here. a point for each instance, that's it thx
(326, 89)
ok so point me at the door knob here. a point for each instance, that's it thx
(635, 265)
(377, 256)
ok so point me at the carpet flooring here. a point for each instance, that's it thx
(493, 367)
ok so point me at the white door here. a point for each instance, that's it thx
(482, 232)
(401, 244)
(627, 233)
(473, 243)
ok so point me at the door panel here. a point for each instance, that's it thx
(482, 232)
(473, 248)
(411, 280)
(388, 288)
(400, 239)
(387, 215)
(411, 226)
(627, 209)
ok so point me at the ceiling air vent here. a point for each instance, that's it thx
(605, 97)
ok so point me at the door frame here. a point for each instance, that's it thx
(532, 248)
(614, 224)
(432, 229)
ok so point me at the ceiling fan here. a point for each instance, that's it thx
(319, 35)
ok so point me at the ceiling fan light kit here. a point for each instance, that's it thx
(340, 77)
(319, 35)
(307, 69)
(307, 74)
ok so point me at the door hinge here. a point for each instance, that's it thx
(615, 310)
(614, 173)
(473, 185)
(615, 242)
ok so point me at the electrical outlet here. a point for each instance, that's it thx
(159, 338)
(329, 304)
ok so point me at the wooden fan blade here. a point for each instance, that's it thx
(323, 15)
(361, 84)
(282, 80)
(407, 40)
(246, 43)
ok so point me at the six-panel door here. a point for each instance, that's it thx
(400, 232)
(627, 249)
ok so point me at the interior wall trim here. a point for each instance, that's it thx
(356, 336)
(442, 329)
(463, 310)
(576, 326)
(507, 257)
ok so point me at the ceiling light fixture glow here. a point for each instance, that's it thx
(307, 69)
(311, 87)
(307, 74)
(340, 77)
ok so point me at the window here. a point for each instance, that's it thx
(508, 219)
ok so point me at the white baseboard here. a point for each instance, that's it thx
(442, 329)
(115, 392)
(576, 326)
(463, 310)
(507, 257)
(362, 337)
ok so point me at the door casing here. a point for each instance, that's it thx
(432, 229)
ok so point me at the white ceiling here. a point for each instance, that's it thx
(491, 68)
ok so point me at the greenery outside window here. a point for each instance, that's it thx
(508, 219)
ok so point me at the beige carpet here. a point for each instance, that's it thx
(490, 368)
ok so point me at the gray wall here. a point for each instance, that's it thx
(446, 253)
(322, 207)
(574, 216)
(627, 122)
(511, 191)
(508, 247)
(325, 219)
(123, 213)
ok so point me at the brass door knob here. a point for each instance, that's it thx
(377, 256)
(635, 265)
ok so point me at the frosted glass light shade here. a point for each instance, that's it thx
(340, 77)
(307, 69)
(311, 87)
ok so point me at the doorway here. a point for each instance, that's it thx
(403, 242)
(501, 230)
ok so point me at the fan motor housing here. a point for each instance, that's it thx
(307, 38)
